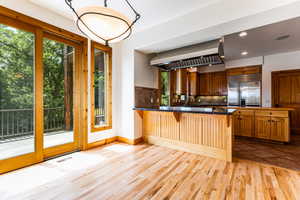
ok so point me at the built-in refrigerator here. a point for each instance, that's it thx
(244, 90)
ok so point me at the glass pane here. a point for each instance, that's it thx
(100, 85)
(165, 95)
(58, 60)
(16, 92)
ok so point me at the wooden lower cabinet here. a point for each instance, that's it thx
(246, 125)
(271, 125)
(243, 125)
(262, 127)
(280, 129)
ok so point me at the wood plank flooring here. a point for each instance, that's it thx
(120, 171)
(282, 155)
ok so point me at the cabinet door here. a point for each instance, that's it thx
(219, 83)
(204, 84)
(246, 125)
(280, 129)
(236, 125)
(262, 127)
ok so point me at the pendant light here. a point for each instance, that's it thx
(103, 23)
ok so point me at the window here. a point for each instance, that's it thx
(17, 55)
(101, 87)
(164, 85)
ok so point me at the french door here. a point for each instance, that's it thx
(39, 95)
(60, 102)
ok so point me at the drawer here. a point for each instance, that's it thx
(245, 112)
(271, 113)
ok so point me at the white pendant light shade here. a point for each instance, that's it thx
(104, 24)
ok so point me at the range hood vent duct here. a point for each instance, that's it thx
(209, 53)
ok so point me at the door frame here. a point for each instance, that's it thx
(12, 18)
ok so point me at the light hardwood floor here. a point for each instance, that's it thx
(120, 171)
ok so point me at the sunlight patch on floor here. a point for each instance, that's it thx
(75, 162)
(27, 179)
(119, 148)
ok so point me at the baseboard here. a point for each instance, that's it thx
(130, 141)
(101, 142)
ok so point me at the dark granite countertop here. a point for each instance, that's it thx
(220, 111)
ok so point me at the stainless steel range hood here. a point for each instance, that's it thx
(208, 53)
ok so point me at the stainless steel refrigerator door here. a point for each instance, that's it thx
(233, 93)
(250, 91)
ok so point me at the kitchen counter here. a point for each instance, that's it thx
(204, 131)
(220, 111)
(257, 108)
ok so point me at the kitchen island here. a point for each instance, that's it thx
(205, 131)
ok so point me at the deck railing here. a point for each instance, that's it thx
(15, 123)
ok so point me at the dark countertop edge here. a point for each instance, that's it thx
(183, 111)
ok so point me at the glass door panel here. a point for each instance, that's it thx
(17, 129)
(59, 65)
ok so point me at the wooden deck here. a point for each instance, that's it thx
(23, 146)
(120, 171)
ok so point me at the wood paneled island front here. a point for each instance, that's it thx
(205, 131)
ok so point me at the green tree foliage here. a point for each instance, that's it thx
(17, 70)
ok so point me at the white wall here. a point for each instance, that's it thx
(24, 7)
(145, 75)
(277, 62)
(244, 62)
(270, 63)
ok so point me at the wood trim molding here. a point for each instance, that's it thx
(108, 51)
(41, 30)
(130, 141)
(37, 23)
(101, 142)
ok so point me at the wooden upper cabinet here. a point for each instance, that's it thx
(214, 84)
(205, 84)
(193, 83)
(244, 70)
(219, 83)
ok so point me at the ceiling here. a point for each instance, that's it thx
(264, 40)
(153, 12)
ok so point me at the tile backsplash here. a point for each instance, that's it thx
(146, 97)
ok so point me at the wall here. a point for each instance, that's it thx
(275, 62)
(23, 6)
(144, 74)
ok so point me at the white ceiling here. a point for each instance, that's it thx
(169, 24)
(153, 12)
(263, 41)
